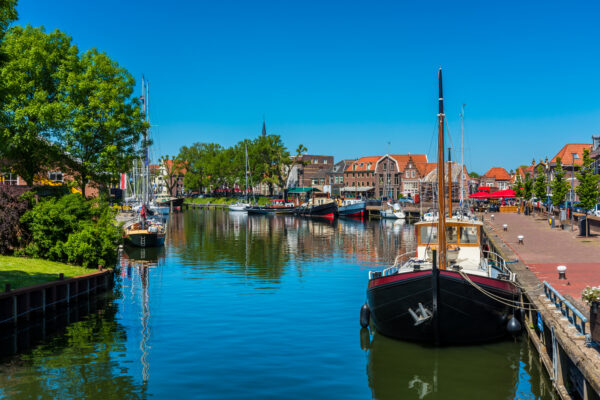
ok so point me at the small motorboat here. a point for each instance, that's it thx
(239, 207)
(393, 211)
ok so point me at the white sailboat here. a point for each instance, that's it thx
(149, 230)
(241, 206)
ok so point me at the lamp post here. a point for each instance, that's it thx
(575, 156)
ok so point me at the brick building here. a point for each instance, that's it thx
(312, 172)
(391, 175)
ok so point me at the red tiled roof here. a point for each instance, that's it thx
(403, 159)
(169, 164)
(424, 168)
(498, 173)
(566, 153)
(362, 164)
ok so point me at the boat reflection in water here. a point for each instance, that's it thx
(403, 370)
(136, 266)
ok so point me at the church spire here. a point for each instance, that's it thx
(264, 130)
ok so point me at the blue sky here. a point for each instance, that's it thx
(347, 77)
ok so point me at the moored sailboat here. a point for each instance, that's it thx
(149, 230)
(451, 291)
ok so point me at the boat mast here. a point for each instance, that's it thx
(462, 155)
(246, 152)
(441, 194)
(449, 182)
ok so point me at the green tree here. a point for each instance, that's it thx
(474, 174)
(539, 187)
(105, 122)
(33, 111)
(202, 165)
(587, 189)
(560, 187)
(528, 187)
(518, 186)
(271, 156)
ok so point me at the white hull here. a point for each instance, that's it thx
(239, 207)
(392, 214)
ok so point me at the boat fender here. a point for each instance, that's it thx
(365, 339)
(514, 326)
(365, 315)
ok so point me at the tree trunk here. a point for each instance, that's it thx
(83, 185)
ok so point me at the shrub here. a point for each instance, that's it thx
(94, 244)
(72, 229)
(13, 204)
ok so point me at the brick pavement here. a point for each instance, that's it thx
(545, 248)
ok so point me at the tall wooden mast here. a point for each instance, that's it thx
(441, 180)
(449, 182)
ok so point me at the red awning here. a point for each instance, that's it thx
(480, 195)
(484, 189)
(504, 193)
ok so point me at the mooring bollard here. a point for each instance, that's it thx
(521, 238)
(562, 272)
(492, 216)
(505, 227)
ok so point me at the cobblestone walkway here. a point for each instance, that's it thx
(544, 248)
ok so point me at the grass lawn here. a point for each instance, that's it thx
(21, 272)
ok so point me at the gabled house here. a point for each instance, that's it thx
(496, 177)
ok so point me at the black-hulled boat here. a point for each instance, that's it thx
(451, 292)
(277, 206)
(320, 205)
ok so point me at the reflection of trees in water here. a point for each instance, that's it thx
(401, 370)
(263, 246)
(82, 363)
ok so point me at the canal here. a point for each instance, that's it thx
(253, 307)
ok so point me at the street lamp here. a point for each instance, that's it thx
(575, 156)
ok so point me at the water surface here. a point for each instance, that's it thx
(254, 307)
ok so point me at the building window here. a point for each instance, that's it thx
(325, 161)
(407, 174)
(412, 173)
(9, 179)
(322, 181)
(315, 181)
(397, 179)
(341, 179)
(384, 166)
(380, 192)
(56, 176)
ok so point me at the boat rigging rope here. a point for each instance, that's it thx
(502, 300)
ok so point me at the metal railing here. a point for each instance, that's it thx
(573, 315)
(393, 269)
(497, 261)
